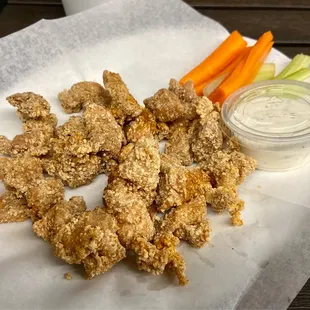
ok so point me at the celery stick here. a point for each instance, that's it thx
(209, 88)
(300, 61)
(300, 75)
(266, 72)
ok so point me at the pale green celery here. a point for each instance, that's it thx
(300, 61)
(300, 75)
(266, 72)
(209, 88)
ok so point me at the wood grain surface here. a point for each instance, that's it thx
(289, 20)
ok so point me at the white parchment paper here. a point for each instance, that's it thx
(261, 265)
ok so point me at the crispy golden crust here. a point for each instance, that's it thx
(188, 222)
(29, 105)
(73, 171)
(5, 146)
(187, 95)
(178, 185)
(123, 106)
(178, 146)
(21, 173)
(12, 208)
(104, 134)
(165, 105)
(143, 126)
(82, 93)
(160, 255)
(45, 195)
(140, 163)
(46, 124)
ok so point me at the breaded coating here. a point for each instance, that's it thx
(104, 133)
(206, 136)
(178, 185)
(165, 105)
(74, 99)
(29, 105)
(90, 232)
(188, 97)
(31, 143)
(57, 216)
(143, 126)
(21, 173)
(5, 146)
(73, 171)
(178, 146)
(71, 138)
(140, 163)
(161, 255)
(129, 206)
(224, 198)
(188, 222)
(123, 106)
(47, 124)
(108, 164)
(45, 195)
(12, 208)
(163, 131)
(4, 163)
(228, 169)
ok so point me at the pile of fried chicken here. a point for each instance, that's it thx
(152, 200)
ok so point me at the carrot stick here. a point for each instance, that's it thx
(224, 73)
(246, 70)
(218, 60)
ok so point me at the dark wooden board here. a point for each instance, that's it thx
(287, 26)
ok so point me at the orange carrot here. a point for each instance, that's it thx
(218, 60)
(245, 72)
(224, 73)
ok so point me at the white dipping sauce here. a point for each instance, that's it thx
(271, 120)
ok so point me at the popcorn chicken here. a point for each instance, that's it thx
(178, 185)
(188, 222)
(140, 163)
(123, 106)
(29, 105)
(45, 195)
(13, 208)
(46, 124)
(103, 131)
(5, 146)
(187, 95)
(82, 93)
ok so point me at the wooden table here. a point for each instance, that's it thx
(289, 20)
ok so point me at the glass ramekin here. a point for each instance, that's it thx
(271, 121)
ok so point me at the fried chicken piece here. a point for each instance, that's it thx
(223, 199)
(32, 143)
(45, 195)
(58, 216)
(103, 131)
(188, 97)
(5, 146)
(161, 255)
(165, 105)
(90, 232)
(178, 185)
(228, 169)
(163, 131)
(74, 99)
(20, 173)
(47, 124)
(71, 138)
(178, 145)
(73, 171)
(188, 222)
(140, 163)
(12, 208)
(143, 126)
(129, 206)
(29, 105)
(123, 106)
(206, 134)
